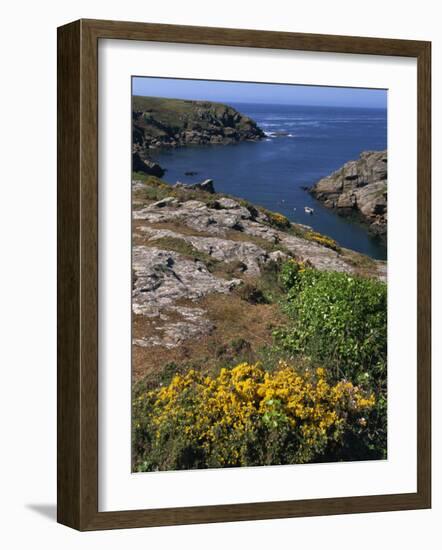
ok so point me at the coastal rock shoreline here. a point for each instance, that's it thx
(358, 189)
(171, 123)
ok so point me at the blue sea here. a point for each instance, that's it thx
(273, 172)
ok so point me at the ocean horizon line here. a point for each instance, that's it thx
(281, 104)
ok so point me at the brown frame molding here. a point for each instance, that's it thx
(77, 217)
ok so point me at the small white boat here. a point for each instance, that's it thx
(308, 210)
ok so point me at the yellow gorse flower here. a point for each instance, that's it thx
(321, 239)
(221, 415)
(278, 219)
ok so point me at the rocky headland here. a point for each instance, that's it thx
(203, 264)
(358, 189)
(160, 122)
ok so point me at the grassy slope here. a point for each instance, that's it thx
(177, 114)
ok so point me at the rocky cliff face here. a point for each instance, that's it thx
(199, 259)
(159, 122)
(359, 187)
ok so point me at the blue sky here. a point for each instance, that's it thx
(245, 92)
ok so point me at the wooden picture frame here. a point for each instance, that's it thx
(78, 274)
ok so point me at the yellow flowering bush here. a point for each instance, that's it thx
(322, 240)
(245, 416)
(278, 220)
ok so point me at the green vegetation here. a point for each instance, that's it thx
(162, 120)
(317, 394)
(336, 318)
(340, 321)
(294, 371)
(175, 113)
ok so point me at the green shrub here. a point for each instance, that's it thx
(337, 318)
(340, 322)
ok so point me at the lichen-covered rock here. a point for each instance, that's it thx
(359, 187)
(161, 280)
(223, 231)
(197, 215)
(161, 277)
(224, 250)
(227, 203)
(206, 185)
(167, 201)
(209, 219)
(192, 323)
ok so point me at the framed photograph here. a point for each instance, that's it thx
(243, 275)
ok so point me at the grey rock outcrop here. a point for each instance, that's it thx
(224, 250)
(161, 122)
(200, 217)
(206, 185)
(161, 280)
(161, 277)
(358, 188)
(169, 287)
(192, 322)
(146, 165)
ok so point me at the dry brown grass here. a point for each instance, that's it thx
(363, 265)
(240, 331)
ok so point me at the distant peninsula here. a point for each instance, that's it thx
(160, 122)
(358, 188)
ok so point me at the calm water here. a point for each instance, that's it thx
(273, 171)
